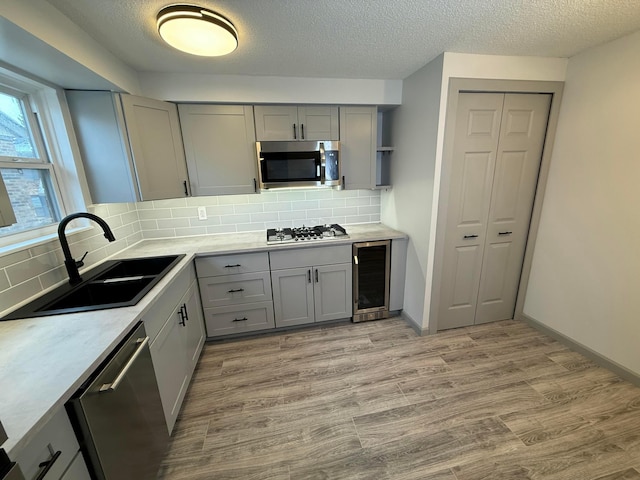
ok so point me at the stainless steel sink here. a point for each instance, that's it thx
(116, 283)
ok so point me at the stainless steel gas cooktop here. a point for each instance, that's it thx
(305, 234)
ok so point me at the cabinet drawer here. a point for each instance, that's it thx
(238, 318)
(235, 289)
(57, 435)
(157, 315)
(232, 264)
(309, 257)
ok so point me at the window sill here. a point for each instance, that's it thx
(38, 241)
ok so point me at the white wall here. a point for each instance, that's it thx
(193, 87)
(585, 276)
(53, 48)
(407, 206)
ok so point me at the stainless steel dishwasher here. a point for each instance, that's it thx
(118, 414)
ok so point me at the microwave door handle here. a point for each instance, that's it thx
(323, 164)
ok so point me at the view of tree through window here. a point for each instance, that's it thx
(24, 169)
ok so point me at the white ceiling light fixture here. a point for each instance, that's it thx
(197, 30)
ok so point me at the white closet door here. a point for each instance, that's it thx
(522, 134)
(496, 159)
(476, 142)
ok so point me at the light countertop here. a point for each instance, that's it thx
(44, 360)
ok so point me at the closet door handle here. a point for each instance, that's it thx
(470, 236)
(505, 233)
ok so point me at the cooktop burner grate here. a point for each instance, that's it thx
(305, 234)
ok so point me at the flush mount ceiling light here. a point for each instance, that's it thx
(197, 30)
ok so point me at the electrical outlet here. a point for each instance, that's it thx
(202, 213)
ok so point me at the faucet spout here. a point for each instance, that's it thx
(69, 262)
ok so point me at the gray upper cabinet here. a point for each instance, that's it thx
(219, 143)
(358, 135)
(131, 146)
(274, 122)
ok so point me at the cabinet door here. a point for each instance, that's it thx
(170, 364)
(333, 287)
(276, 122)
(156, 145)
(292, 296)
(318, 123)
(219, 143)
(77, 470)
(194, 328)
(358, 146)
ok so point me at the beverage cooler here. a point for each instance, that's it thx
(371, 267)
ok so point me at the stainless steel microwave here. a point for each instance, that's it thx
(299, 164)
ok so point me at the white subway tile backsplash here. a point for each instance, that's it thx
(235, 219)
(170, 203)
(173, 223)
(278, 207)
(26, 272)
(220, 210)
(248, 208)
(250, 227)
(155, 214)
(185, 232)
(216, 229)
(186, 212)
(232, 199)
(201, 201)
(345, 211)
(4, 281)
(264, 217)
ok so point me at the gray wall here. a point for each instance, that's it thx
(585, 275)
(407, 207)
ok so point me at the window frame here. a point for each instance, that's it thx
(47, 115)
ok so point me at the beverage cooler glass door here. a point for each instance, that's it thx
(371, 267)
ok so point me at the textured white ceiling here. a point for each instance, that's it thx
(381, 39)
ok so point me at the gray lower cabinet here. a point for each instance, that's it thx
(236, 293)
(56, 436)
(311, 285)
(176, 345)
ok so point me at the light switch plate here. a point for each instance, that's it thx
(202, 213)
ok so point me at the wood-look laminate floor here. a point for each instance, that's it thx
(376, 401)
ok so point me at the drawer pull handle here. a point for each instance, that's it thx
(236, 290)
(232, 266)
(505, 233)
(470, 236)
(46, 466)
(240, 319)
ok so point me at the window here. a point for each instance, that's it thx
(28, 174)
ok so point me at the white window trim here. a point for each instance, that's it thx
(58, 142)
